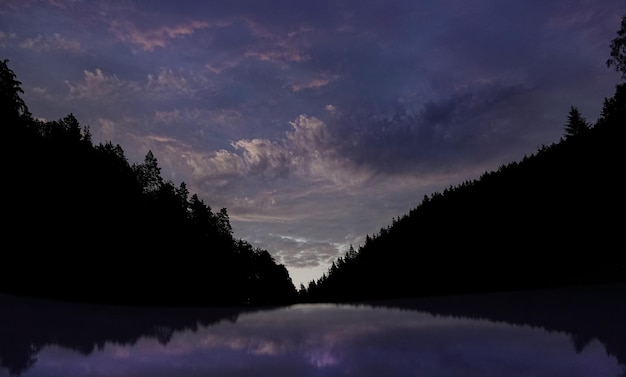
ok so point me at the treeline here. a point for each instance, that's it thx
(82, 223)
(555, 218)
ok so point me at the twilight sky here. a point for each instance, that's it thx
(314, 123)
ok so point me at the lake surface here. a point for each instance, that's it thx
(563, 332)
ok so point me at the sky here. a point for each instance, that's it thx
(314, 123)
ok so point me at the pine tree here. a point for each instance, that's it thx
(11, 104)
(576, 123)
(149, 174)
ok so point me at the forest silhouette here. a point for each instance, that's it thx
(84, 224)
(552, 219)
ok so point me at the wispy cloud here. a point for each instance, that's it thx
(311, 252)
(168, 82)
(306, 150)
(6, 37)
(278, 56)
(264, 156)
(97, 85)
(55, 42)
(161, 85)
(218, 67)
(314, 83)
(150, 39)
(12, 5)
(105, 128)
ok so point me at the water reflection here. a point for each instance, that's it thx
(426, 337)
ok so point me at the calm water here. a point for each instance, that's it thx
(527, 334)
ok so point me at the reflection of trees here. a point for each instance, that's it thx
(27, 326)
(586, 313)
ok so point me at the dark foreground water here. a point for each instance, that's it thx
(573, 332)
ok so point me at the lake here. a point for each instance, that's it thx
(556, 332)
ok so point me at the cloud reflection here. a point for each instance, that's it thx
(341, 340)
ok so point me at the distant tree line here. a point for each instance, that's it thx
(555, 218)
(78, 217)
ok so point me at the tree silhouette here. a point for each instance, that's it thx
(618, 50)
(576, 123)
(11, 105)
(511, 229)
(80, 223)
(149, 173)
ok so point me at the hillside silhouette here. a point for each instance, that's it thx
(552, 219)
(81, 223)
(555, 218)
